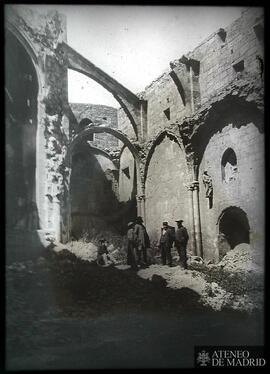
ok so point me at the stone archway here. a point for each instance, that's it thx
(233, 228)
(166, 177)
(78, 144)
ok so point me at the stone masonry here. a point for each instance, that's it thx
(204, 113)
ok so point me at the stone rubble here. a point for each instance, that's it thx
(217, 292)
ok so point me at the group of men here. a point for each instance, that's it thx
(138, 242)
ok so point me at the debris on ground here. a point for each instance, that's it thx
(218, 287)
(239, 259)
(235, 282)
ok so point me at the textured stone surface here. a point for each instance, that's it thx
(99, 115)
(165, 192)
(246, 191)
(127, 177)
(91, 192)
(41, 34)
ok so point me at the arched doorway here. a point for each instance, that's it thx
(21, 90)
(233, 229)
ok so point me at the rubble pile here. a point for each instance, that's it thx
(233, 283)
(238, 259)
(88, 251)
(217, 287)
(83, 250)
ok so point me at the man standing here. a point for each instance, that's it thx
(142, 240)
(181, 240)
(165, 243)
(131, 248)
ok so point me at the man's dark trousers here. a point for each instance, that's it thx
(166, 254)
(182, 251)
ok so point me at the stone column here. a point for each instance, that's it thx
(191, 89)
(197, 220)
(57, 220)
(191, 214)
(143, 120)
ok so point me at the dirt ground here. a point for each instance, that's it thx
(65, 313)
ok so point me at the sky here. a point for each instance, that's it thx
(135, 44)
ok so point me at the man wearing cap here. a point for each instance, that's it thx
(142, 240)
(165, 243)
(181, 240)
(131, 248)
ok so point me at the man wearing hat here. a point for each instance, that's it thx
(165, 243)
(181, 240)
(142, 240)
(131, 247)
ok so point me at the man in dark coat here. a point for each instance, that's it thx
(131, 247)
(142, 240)
(181, 240)
(165, 243)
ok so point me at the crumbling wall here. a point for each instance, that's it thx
(40, 34)
(100, 115)
(221, 54)
(227, 55)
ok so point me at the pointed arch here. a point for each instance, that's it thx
(156, 141)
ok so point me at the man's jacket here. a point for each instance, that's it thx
(181, 236)
(167, 237)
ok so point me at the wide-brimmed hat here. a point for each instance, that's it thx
(179, 220)
(130, 224)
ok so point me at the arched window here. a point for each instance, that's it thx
(229, 166)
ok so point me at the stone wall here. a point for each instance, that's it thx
(124, 124)
(218, 56)
(91, 191)
(127, 176)
(164, 104)
(166, 196)
(100, 115)
(39, 34)
(220, 63)
(243, 189)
